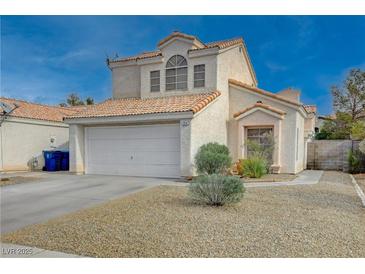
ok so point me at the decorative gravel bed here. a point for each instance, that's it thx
(322, 220)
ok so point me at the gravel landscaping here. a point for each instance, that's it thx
(321, 220)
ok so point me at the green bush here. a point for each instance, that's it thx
(254, 167)
(216, 189)
(354, 160)
(212, 158)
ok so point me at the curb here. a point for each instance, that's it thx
(359, 191)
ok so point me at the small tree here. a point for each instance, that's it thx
(89, 101)
(74, 100)
(339, 128)
(358, 130)
(350, 98)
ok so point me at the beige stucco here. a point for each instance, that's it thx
(23, 140)
(77, 148)
(208, 126)
(241, 98)
(126, 81)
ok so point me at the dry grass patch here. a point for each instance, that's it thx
(322, 220)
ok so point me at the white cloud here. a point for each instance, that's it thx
(275, 67)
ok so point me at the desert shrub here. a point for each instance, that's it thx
(240, 166)
(354, 160)
(212, 158)
(216, 189)
(266, 151)
(254, 167)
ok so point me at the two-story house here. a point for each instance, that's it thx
(169, 102)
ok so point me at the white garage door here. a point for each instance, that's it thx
(152, 150)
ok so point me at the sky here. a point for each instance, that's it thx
(45, 58)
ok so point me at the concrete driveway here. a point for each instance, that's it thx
(56, 194)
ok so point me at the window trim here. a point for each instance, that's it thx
(199, 72)
(154, 78)
(175, 68)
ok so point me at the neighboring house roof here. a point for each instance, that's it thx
(137, 106)
(327, 117)
(259, 105)
(310, 108)
(37, 111)
(263, 92)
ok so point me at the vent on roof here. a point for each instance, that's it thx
(259, 102)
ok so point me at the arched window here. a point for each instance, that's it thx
(177, 73)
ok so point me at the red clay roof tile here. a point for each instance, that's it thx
(263, 92)
(259, 105)
(137, 106)
(37, 111)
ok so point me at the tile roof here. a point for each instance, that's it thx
(137, 106)
(310, 108)
(179, 34)
(259, 105)
(262, 92)
(224, 43)
(37, 111)
(143, 55)
(218, 44)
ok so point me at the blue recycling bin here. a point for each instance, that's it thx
(52, 160)
(65, 160)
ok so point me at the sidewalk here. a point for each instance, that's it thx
(19, 251)
(306, 177)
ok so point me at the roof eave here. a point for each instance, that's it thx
(139, 118)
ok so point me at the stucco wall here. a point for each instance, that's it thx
(126, 81)
(208, 126)
(23, 139)
(232, 64)
(77, 148)
(133, 80)
(257, 118)
(301, 146)
(240, 99)
(210, 75)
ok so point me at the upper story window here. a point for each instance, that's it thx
(199, 76)
(155, 80)
(177, 73)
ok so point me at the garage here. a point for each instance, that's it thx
(143, 150)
